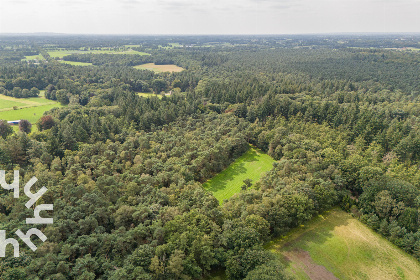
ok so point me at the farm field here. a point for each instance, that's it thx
(159, 68)
(76, 63)
(33, 57)
(6, 104)
(251, 165)
(62, 53)
(30, 109)
(32, 114)
(337, 246)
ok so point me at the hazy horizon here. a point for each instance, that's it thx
(201, 17)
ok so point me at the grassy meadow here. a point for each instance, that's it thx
(251, 165)
(31, 109)
(6, 104)
(32, 114)
(337, 246)
(149, 94)
(33, 57)
(76, 63)
(159, 68)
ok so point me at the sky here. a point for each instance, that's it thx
(209, 17)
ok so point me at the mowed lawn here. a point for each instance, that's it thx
(159, 68)
(251, 165)
(337, 246)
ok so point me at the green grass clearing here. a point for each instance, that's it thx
(149, 94)
(76, 63)
(336, 245)
(31, 109)
(32, 114)
(33, 57)
(159, 68)
(251, 165)
(7, 104)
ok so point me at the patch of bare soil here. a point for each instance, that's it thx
(307, 264)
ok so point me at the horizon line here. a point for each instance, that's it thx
(208, 34)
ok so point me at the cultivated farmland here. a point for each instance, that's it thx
(251, 165)
(337, 246)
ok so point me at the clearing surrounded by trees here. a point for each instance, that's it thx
(337, 246)
(251, 165)
(159, 68)
(30, 109)
(76, 63)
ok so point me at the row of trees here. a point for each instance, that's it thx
(17, 92)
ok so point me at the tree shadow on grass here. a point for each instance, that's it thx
(250, 155)
(296, 250)
(221, 181)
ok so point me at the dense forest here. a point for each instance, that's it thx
(339, 114)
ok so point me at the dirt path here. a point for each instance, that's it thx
(306, 263)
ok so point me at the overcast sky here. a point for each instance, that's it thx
(208, 17)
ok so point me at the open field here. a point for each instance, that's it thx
(159, 68)
(251, 165)
(76, 63)
(337, 246)
(62, 53)
(30, 109)
(7, 104)
(32, 114)
(149, 94)
(33, 57)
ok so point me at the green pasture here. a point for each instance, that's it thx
(336, 245)
(76, 63)
(149, 94)
(7, 104)
(31, 109)
(32, 114)
(251, 165)
(33, 57)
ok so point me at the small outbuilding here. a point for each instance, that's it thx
(14, 122)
